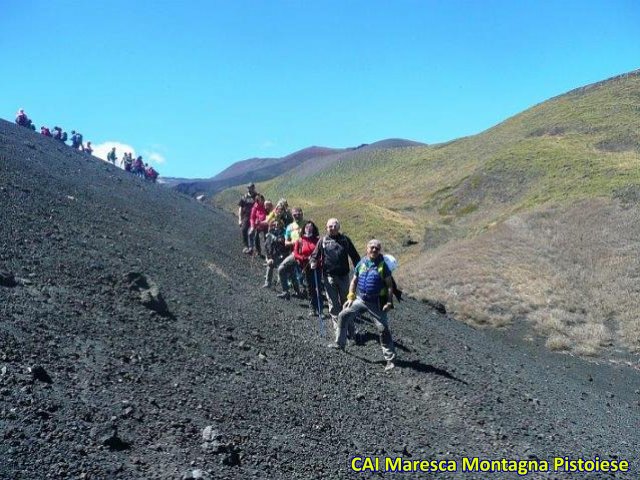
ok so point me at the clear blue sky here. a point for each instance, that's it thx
(198, 85)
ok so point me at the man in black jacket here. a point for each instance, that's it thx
(244, 213)
(332, 254)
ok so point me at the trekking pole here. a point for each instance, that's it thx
(320, 318)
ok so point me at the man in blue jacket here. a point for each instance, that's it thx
(373, 283)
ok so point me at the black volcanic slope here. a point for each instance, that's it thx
(224, 381)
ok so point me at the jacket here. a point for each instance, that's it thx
(334, 253)
(303, 248)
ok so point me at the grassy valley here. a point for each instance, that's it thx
(531, 223)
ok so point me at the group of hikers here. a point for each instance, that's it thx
(315, 266)
(137, 166)
(56, 133)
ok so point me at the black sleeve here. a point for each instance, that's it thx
(353, 253)
(318, 252)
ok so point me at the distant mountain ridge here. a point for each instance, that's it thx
(262, 169)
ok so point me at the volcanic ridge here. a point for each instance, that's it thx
(135, 343)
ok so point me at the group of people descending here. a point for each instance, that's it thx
(56, 133)
(301, 256)
(137, 166)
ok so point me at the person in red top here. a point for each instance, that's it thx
(302, 250)
(257, 224)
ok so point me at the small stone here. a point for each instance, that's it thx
(209, 434)
(39, 373)
(7, 279)
(114, 442)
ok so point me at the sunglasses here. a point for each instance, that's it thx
(373, 247)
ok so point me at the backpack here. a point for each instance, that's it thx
(335, 257)
(79, 138)
(64, 136)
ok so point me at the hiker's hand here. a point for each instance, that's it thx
(312, 265)
(240, 222)
(387, 306)
(270, 262)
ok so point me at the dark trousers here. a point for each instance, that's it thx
(244, 227)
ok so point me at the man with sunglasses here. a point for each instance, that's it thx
(374, 285)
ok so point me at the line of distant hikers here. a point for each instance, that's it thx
(137, 166)
(317, 268)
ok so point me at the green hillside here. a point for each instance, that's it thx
(580, 145)
(578, 148)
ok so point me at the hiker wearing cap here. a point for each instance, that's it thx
(332, 254)
(244, 214)
(370, 291)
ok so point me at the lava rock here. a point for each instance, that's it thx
(7, 279)
(39, 373)
(149, 292)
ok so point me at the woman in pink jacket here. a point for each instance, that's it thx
(257, 224)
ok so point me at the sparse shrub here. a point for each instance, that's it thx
(570, 272)
(558, 342)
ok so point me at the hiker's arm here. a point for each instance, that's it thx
(389, 283)
(351, 296)
(287, 241)
(240, 215)
(353, 253)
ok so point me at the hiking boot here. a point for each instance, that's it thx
(335, 346)
(389, 366)
(312, 313)
(285, 295)
(246, 250)
(266, 285)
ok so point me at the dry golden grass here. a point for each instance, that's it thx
(573, 273)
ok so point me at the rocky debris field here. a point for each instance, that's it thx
(135, 343)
